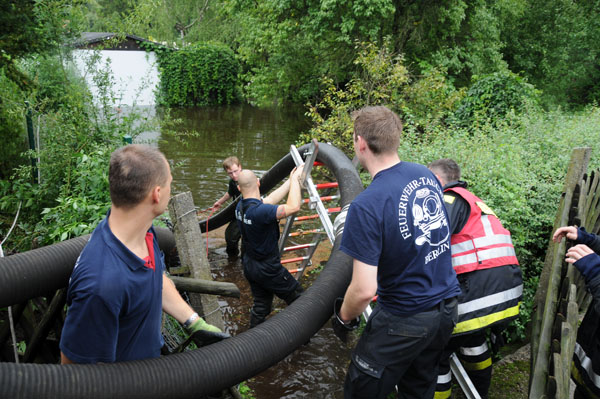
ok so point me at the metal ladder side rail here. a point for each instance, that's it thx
(456, 367)
(307, 183)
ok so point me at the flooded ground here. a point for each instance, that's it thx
(315, 370)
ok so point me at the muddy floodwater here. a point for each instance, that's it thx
(259, 138)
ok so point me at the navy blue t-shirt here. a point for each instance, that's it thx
(399, 224)
(115, 303)
(260, 228)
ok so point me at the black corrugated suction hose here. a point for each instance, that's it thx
(190, 374)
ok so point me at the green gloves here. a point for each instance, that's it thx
(200, 324)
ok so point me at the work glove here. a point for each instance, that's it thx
(339, 327)
(204, 334)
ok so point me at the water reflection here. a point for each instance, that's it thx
(258, 137)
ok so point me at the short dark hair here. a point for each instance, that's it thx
(447, 168)
(379, 126)
(134, 170)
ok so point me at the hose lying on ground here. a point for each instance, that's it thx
(190, 374)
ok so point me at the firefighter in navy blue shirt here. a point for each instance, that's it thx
(586, 358)
(118, 288)
(259, 223)
(397, 233)
(488, 271)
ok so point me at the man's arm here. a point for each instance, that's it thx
(221, 201)
(361, 290)
(173, 303)
(294, 199)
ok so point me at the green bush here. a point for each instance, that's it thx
(202, 74)
(492, 97)
(13, 133)
(381, 78)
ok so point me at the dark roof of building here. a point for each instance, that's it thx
(93, 39)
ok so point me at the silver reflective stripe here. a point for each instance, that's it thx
(462, 247)
(490, 300)
(481, 242)
(487, 226)
(444, 379)
(464, 260)
(586, 364)
(474, 351)
(486, 254)
(496, 253)
(492, 240)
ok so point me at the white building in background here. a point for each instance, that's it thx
(134, 70)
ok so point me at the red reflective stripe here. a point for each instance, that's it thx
(317, 163)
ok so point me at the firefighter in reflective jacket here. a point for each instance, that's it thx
(491, 284)
(586, 359)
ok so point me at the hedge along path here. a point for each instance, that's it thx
(561, 293)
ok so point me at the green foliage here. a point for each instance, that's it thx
(83, 203)
(245, 391)
(555, 44)
(34, 27)
(382, 79)
(202, 74)
(492, 97)
(76, 139)
(13, 134)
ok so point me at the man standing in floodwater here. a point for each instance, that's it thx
(233, 167)
(259, 224)
(397, 233)
(118, 288)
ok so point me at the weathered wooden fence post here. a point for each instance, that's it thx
(549, 322)
(192, 253)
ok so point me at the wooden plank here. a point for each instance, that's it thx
(545, 298)
(192, 253)
(41, 331)
(206, 286)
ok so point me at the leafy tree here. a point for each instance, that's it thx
(555, 44)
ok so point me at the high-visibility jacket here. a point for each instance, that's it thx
(484, 259)
(483, 242)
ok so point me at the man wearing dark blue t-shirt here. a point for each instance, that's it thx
(118, 288)
(397, 232)
(259, 223)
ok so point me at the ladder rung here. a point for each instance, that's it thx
(296, 270)
(315, 216)
(302, 246)
(327, 185)
(324, 198)
(292, 260)
(318, 163)
(303, 232)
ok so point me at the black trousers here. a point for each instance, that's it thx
(268, 278)
(400, 350)
(232, 237)
(474, 353)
